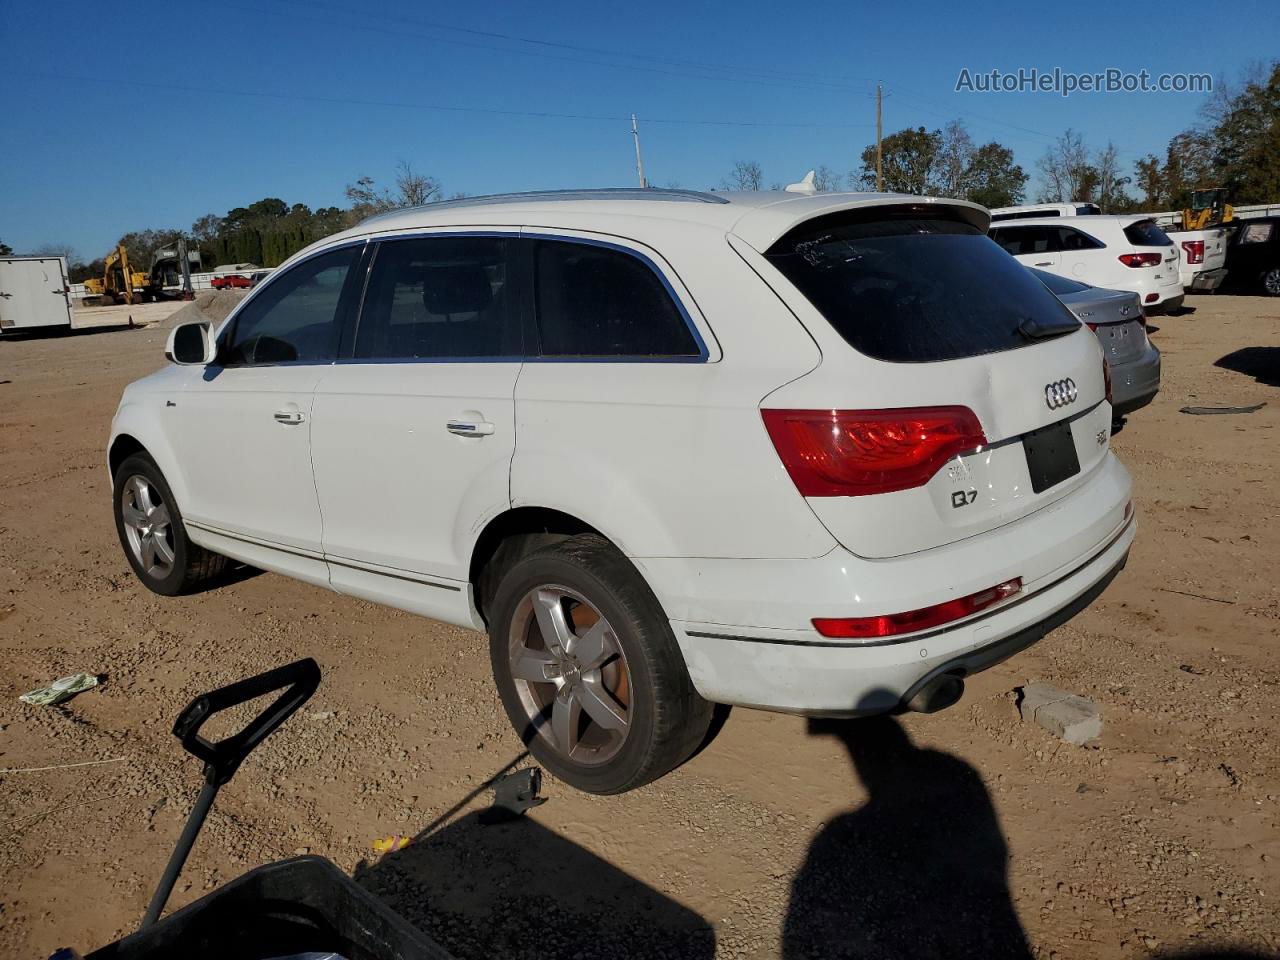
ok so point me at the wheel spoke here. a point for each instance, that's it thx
(531, 665)
(600, 706)
(133, 517)
(162, 548)
(565, 716)
(142, 494)
(596, 647)
(159, 515)
(549, 609)
(148, 551)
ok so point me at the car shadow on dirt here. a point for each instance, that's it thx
(518, 889)
(1261, 363)
(917, 869)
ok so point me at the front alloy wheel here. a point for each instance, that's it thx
(147, 526)
(1271, 282)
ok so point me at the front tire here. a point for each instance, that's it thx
(1270, 280)
(152, 533)
(589, 671)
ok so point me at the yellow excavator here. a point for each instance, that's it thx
(118, 283)
(1209, 208)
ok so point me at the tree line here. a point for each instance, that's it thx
(1235, 144)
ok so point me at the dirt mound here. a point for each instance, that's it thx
(209, 306)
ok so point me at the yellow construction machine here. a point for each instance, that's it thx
(1209, 208)
(118, 283)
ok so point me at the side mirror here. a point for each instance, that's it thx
(191, 344)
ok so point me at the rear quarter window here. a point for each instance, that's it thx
(1147, 233)
(903, 286)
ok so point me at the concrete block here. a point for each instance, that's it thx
(1065, 715)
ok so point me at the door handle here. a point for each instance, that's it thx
(470, 428)
(289, 417)
(1045, 263)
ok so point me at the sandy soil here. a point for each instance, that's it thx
(956, 834)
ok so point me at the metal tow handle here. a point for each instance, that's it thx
(223, 758)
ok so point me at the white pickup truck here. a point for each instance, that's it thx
(1203, 257)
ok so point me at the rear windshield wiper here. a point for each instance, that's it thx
(1034, 329)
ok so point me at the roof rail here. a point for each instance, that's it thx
(603, 193)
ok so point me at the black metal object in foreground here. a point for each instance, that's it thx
(222, 759)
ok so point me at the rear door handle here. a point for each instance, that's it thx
(1046, 263)
(289, 417)
(469, 428)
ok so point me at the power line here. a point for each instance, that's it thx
(735, 74)
(450, 108)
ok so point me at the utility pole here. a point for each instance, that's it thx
(879, 169)
(635, 132)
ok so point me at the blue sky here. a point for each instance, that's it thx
(141, 115)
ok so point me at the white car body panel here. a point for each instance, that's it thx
(1102, 267)
(669, 459)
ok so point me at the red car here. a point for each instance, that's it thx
(231, 281)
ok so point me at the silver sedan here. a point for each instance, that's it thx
(1115, 317)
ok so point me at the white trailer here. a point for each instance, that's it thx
(34, 292)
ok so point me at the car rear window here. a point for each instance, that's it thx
(1059, 286)
(1147, 233)
(912, 285)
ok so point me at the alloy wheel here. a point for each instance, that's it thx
(1271, 281)
(147, 526)
(571, 674)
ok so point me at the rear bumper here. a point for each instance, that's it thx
(744, 625)
(1208, 280)
(1135, 384)
(1165, 306)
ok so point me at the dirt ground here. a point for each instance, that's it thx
(951, 835)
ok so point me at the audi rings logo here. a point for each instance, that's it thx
(1060, 393)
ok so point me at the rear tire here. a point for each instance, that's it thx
(605, 703)
(152, 533)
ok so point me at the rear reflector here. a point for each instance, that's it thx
(1151, 298)
(1194, 250)
(853, 453)
(892, 624)
(1140, 259)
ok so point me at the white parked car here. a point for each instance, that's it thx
(1077, 208)
(1128, 252)
(1203, 259)
(825, 454)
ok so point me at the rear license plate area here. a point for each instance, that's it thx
(1051, 455)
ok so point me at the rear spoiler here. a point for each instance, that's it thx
(761, 227)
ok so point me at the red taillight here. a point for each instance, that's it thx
(852, 453)
(1106, 378)
(1151, 298)
(892, 624)
(1091, 326)
(1141, 259)
(1194, 250)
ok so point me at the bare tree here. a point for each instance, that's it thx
(56, 249)
(1067, 173)
(954, 161)
(746, 175)
(415, 189)
(826, 180)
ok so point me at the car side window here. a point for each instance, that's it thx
(439, 298)
(294, 317)
(594, 301)
(1069, 239)
(1020, 241)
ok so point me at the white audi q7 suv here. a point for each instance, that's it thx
(826, 454)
